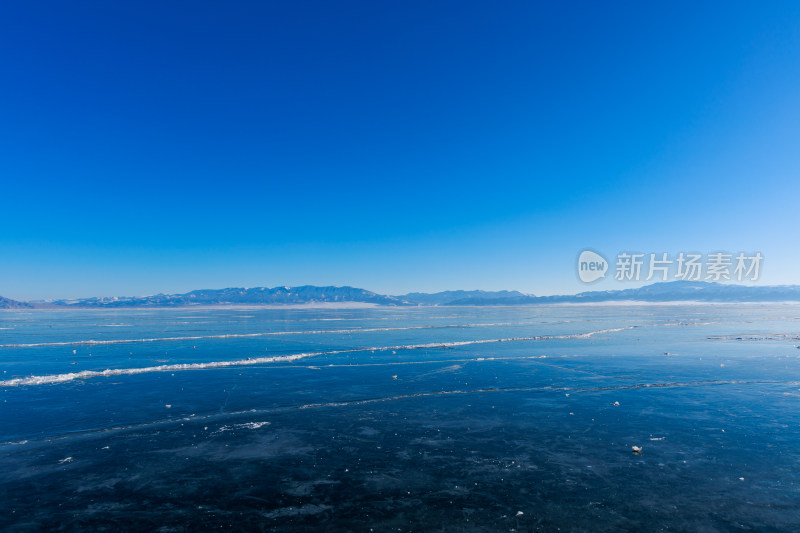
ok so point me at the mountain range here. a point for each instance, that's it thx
(677, 291)
(235, 296)
(7, 303)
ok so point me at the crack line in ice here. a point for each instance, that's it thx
(88, 374)
(399, 397)
(757, 337)
(92, 342)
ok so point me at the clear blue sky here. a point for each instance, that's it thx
(166, 146)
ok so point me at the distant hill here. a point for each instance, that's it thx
(675, 291)
(8, 303)
(701, 291)
(522, 299)
(671, 291)
(450, 297)
(240, 296)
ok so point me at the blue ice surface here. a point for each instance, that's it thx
(411, 418)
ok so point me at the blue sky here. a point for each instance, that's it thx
(166, 146)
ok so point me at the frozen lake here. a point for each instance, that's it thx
(454, 419)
